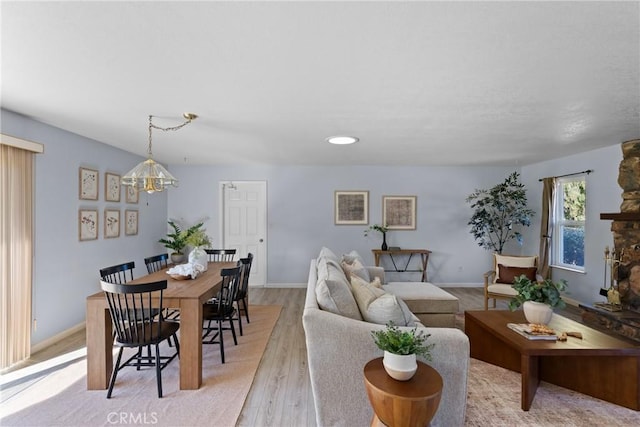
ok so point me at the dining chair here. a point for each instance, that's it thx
(221, 309)
(242, 298)
(156, 262)
(221, 255)
(127, 305)
(120, 273)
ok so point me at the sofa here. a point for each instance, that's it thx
(339, 345)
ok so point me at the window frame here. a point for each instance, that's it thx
(559, 223)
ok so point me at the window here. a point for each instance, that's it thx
(569, 222)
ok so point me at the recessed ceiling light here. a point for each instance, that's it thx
(342, 140)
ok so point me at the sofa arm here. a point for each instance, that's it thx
(376, 272)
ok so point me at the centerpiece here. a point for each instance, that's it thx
(400, 349)
(538, 299)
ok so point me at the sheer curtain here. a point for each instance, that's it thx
(546, 226)
(16, 236)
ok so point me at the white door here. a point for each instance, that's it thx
(244, 224)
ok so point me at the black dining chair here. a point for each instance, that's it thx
(127, 305)
(221, 310)
(156, 262)
(120, 273)
(221, 255)
(242, 298)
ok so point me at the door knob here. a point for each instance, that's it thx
(261, 240)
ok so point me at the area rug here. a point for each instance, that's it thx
(61, 398)
(493, 399)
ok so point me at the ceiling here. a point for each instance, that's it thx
(420, 83)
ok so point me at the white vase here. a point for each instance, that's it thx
(400, 367)
(537, 312)
(199, 256)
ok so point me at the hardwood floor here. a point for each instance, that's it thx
(281, 392)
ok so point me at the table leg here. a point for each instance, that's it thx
(190, 344)
(425, 259)
(530, 379)
(99, 345)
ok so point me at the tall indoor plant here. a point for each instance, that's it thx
(497, 212)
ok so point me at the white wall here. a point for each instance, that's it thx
(603, 195)
(66, 270)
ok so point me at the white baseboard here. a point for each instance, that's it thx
(459, 285)
(54, 339)
(286, 285)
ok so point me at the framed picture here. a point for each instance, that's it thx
(130, 222)
(111, 187)
(399, 212)
(132, 194)
(352, 207)
(87, 224)
(88, 180)
(111, 223)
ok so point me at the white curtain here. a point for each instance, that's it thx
(16, 239)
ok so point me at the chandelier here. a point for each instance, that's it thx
(149, 175)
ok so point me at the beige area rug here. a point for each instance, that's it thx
(493, 399)
(61, 398)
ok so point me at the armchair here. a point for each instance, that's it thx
(498, 281)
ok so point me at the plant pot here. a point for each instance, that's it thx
(177, 258)
(537, 312)
(400, 367)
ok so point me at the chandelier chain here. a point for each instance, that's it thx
(171, 128)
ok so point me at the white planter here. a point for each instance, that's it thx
(537, 312)
(199, 256)
(400, 367)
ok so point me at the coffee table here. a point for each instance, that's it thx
(598, 365)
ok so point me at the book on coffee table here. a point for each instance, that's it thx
(524, 329)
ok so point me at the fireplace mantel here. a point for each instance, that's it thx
(622, 216)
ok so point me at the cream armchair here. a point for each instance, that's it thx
(498, 282)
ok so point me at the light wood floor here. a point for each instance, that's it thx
(281, 392)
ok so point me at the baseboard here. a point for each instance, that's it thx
(571, 301)
(58, 337)
(459, 285)
(285, 285)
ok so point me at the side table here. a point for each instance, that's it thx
(409, 403)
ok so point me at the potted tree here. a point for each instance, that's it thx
(400, 349)
(380, 229)
(538, 299)
(497, 212)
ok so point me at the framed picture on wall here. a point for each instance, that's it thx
(88, 183)
(111, 223)
(132, 194)
(351, 207)
(87, 224)
(399, 212)
(111, 187)
(130, 222)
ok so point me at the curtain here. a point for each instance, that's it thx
(16, 236)
(546, 226)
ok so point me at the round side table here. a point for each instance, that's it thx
(409, 403)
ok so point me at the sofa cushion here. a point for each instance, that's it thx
(333, 292)
(352, 256)
(355, 267)
(326, 253)
(378, 306)
(508, 274)
(422, 297)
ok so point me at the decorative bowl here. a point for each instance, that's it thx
(179, 277)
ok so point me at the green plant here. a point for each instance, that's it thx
(547, 292)
(176, 240)
(375, 227)
(497, 211)
(197, 236)
(396, 341)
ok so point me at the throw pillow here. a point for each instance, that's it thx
(333, 291)
(508, 274)
(355, 267)
(352, 256)
(512, 261)
(378, 306)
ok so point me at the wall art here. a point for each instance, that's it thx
(88, 224)
(399, 212)
(111, 223)
(130, 222)
(132, 194)
(111, 187)
(351, 207)
(88, 183)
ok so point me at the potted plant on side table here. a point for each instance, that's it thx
(538, 299)
(380, 229)
(400, 350)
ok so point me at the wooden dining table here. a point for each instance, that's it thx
(186, 295)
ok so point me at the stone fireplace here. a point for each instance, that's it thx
(626, 240)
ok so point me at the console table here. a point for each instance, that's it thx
(423, 253)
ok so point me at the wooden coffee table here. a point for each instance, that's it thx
(598, 365)
(396, 403)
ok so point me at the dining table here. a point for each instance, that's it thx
(186, 295)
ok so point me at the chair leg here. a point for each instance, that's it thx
(233, 329)
(158, 371)
(240, 319)
(245, 306)
(114, 374)
(221, 338)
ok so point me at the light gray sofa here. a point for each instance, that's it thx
(338, 347)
